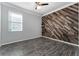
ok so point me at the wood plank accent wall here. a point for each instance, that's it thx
(62, 24)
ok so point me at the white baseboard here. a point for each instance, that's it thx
(20, 40)
(43, 37)
(61, 41)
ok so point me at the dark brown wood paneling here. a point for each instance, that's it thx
(62, 24)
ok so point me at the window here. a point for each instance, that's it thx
(15, 22)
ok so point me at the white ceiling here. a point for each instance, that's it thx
(44, 9)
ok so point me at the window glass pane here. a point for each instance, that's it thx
(16, 27)
(15, 17)
(15, 22)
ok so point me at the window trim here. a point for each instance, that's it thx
(9, 22)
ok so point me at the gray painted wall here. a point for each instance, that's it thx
(0, 25)
(31, 25)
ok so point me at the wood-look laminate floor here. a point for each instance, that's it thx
(38, 47)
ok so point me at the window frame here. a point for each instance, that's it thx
(10, 22)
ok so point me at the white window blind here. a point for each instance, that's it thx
(15, 22)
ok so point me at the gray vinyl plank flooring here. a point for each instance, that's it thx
(38, 47)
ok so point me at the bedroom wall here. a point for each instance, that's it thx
(31, 25)
(62, 24)
(0, 24)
